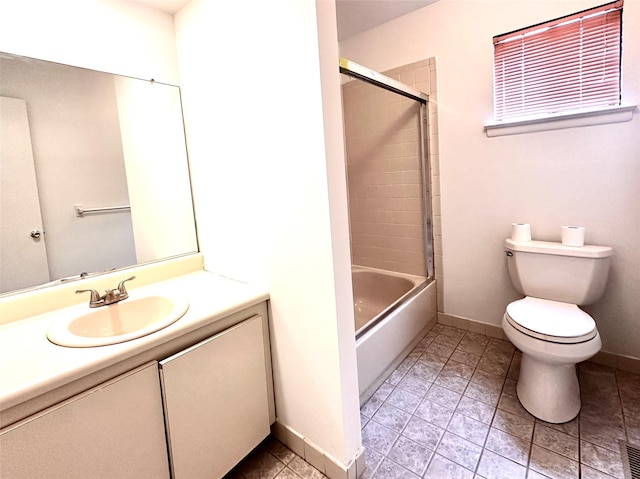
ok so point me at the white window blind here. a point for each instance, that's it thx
(568, 64)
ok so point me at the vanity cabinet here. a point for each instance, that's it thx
(216, 402)
(192, 408)
(114, 430)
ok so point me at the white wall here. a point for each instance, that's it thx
(269, 208)
(588, 176)
(112, 36)
(338, 210)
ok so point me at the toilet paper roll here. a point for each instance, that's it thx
(573, 235)
(521, 232)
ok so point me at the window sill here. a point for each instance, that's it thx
(617, 114)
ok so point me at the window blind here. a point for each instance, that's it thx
(568, 64)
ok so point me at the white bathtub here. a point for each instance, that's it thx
(393, 311)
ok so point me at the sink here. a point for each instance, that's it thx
(129, 319)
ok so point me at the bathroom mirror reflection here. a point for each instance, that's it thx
(94, 173)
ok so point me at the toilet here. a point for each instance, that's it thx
(547, 325)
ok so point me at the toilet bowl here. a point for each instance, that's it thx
(553, 338)
(547, 325)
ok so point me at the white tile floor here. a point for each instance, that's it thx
(450, 411)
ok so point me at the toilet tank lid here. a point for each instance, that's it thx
(549, 247)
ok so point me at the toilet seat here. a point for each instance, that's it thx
(551, 321)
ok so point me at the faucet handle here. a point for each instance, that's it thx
(95, 296)
(121, 287)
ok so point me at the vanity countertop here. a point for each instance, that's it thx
(30, 365)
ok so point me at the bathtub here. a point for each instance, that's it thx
(393, 311)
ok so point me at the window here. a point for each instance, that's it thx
(566, 65)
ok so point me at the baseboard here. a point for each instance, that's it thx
(315, 456)
(615, 361)
(474, 326)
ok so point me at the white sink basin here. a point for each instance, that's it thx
(119, 322)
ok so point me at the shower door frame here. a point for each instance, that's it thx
(360, 72)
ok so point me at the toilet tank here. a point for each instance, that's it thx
(547, 270)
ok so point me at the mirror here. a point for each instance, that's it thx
(94, 173)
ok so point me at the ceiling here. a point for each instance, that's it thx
(353, 16)
(169, 6)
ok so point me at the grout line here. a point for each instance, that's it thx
(579, 442)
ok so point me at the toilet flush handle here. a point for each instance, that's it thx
(509, 253)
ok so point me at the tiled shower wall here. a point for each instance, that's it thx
(383, 171)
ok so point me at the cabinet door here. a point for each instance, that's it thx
(215, 397)
(115, 430)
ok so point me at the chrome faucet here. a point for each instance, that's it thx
(110, 296)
